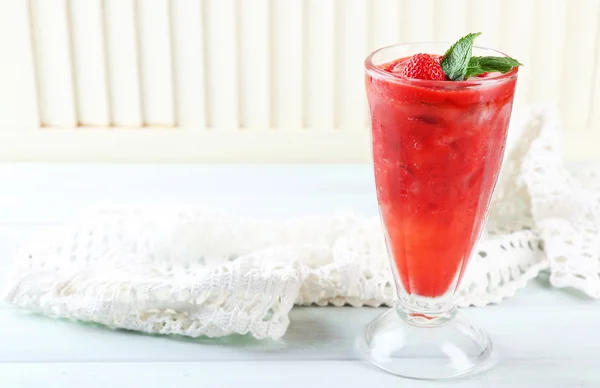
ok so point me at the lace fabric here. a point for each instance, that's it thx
(189, 272)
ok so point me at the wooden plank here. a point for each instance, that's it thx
(349, 374)
(53, 58)
(518, 41)
(512, 372)
(418, 20)
(56, 193)
(155, 62)
(450, 20)
(255, 64)
(89, 62)
(353, 47)
(320, 61)
(315, 333)
(18, 94)
(122, 62)
(187, 26)
(288, 58)
(222, 59)
(577, 92)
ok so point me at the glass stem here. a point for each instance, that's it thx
(425, 319)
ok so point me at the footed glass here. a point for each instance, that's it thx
(437, 151)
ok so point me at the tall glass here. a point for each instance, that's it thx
(437, 151)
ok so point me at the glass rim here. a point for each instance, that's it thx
(371, 67)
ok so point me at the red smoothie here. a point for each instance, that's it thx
(437, 148)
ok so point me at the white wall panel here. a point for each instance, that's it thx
(120, 23)
(450, 20)
(485, 16)
(385, 23)
(320, 63)
(418, 20)
(89, 62)
(594, 114)
(155, 62)
(52, 54)
(222, 61)
(189, 67)
(18, 94)
(549, 36)
(518, 32)
(353, 45)
(255, 64)
(576, 90)
(288, 58)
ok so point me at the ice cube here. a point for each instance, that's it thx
(397, 68)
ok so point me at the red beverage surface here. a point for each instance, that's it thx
(437, 148)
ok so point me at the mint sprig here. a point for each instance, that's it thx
(459, 64)
(456, 59)
(480, 65)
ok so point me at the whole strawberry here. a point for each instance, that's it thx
(424, 66)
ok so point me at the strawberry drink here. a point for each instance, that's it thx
(439, 126)
(437, 152)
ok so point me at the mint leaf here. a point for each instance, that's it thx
(480, 65)
(456, 59)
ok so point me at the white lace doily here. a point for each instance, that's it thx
(193, 273)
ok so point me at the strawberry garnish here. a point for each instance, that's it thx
(423, 66)
(457, 63)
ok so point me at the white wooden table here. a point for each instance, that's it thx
(544, 337)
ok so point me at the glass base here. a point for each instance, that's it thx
(413, 346)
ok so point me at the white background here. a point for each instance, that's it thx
(257, 80)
